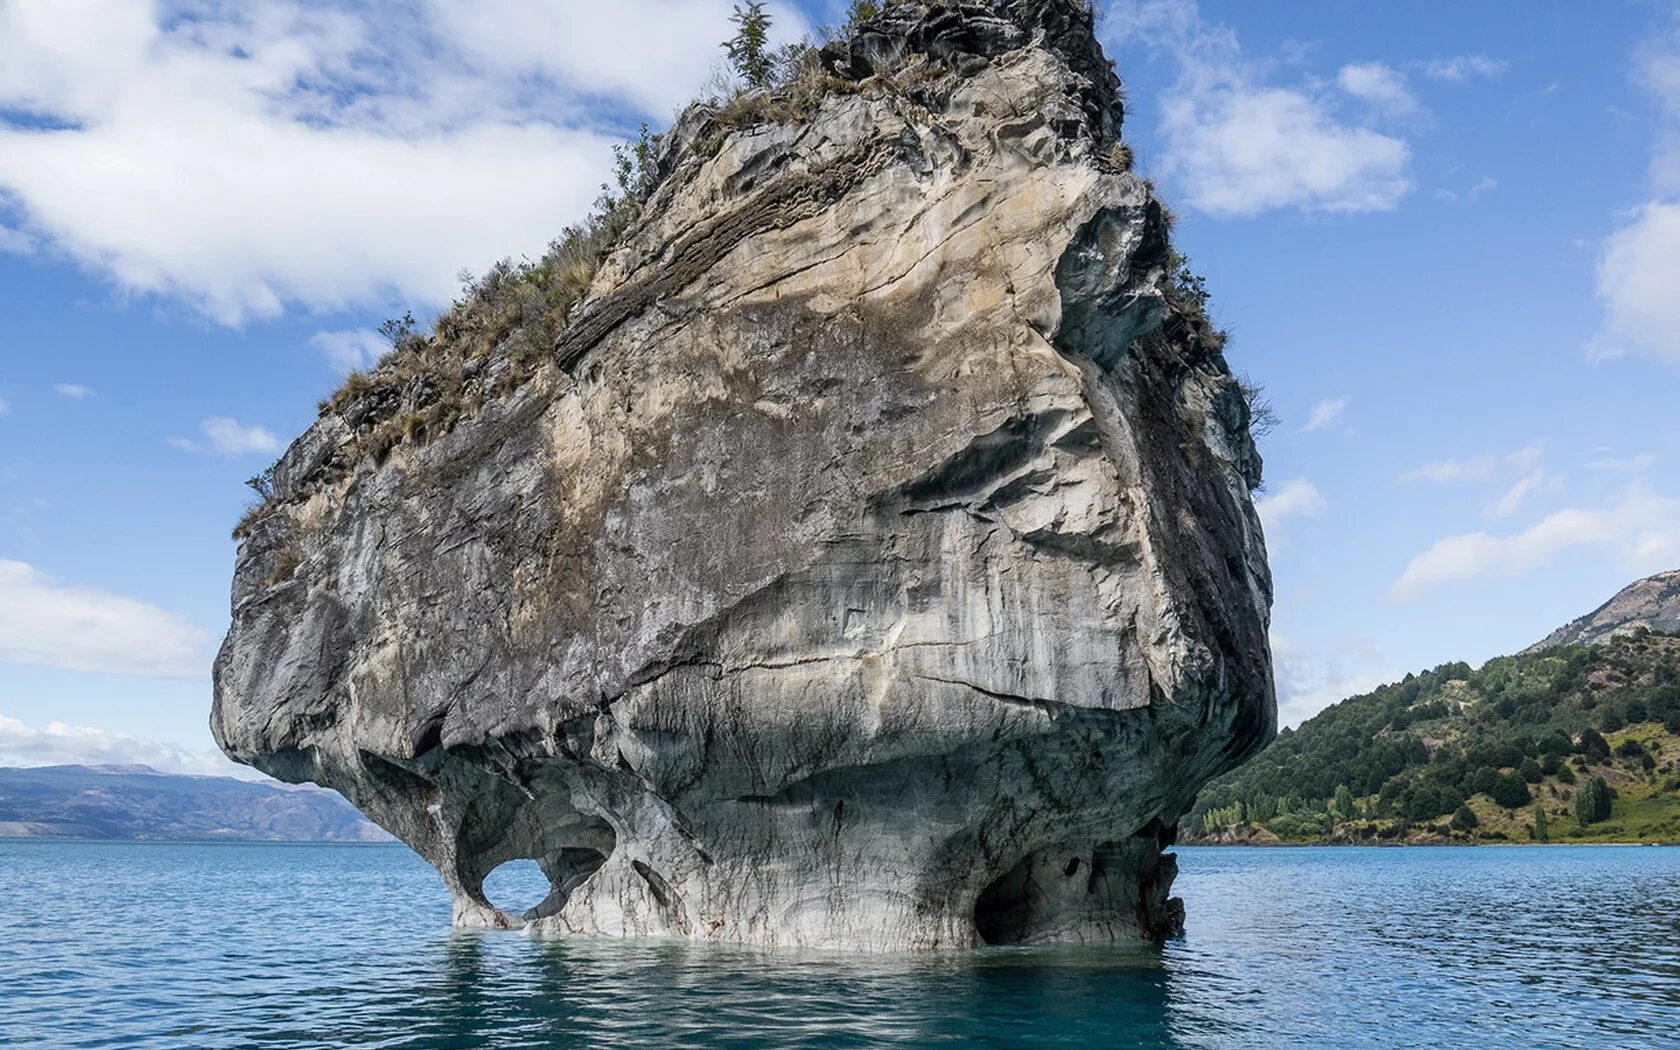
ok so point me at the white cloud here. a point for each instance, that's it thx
(1324, 413)
(1639, 267)
(1382, 86)
(1637, 463)
(1637, 277)
(1308, 682)
(44, 621)
(226, 436)
(573, 42)
(1242, 152)
(58, 743)
(1475, 468)
(5, 406)
(1640, 524)
(1296, 498)
(1514, 497)
(351, 349)
(15, 242)
(1478, 468)
(1240, 146)
(1459, 68)
(243, 157)
(73, 391)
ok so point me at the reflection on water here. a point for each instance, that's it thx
(155, 945)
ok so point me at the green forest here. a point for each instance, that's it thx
(1569, 744)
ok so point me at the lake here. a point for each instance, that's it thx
(175, 945)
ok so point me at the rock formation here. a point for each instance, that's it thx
(871, 564)
(1652, 603)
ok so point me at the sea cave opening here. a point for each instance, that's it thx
(517, 886)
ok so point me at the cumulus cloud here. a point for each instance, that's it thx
(1641, 525)
(1639, 267)
(73, 391)
(1240, 146)
(243, 157)
(226, 436)
(1637, 277)
(350, 349)
(1324, 413)
(1459, 68)
(59, 743)
(56, 624)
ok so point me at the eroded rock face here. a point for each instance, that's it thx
(874, 566)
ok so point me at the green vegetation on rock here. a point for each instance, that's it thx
(1568, 744)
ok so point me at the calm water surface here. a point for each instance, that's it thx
(152, 945)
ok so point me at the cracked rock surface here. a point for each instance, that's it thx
(872, 567)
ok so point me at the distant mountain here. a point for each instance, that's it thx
(1652, 603)
(1518, 748)
(137, 802)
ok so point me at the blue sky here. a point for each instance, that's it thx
(1446, 237)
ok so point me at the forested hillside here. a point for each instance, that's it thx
(1570, 743)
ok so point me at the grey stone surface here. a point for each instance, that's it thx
(874, 567)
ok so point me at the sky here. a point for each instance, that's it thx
(1445, 238)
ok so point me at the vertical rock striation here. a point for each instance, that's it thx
(872, 566)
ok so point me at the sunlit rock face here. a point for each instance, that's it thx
(873, 566)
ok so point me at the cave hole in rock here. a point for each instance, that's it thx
(517, 886)
(1041, 888)
(1003, 908)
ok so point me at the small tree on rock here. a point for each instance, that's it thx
(749, 48)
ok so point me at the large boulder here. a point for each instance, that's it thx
(872, 564)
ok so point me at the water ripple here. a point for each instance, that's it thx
(159, 945)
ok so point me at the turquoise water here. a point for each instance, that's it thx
(154, 945)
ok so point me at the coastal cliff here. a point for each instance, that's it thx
(864, 559)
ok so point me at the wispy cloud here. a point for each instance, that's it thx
(1296, 498)
(1239, 145)
(5, 406)
(1637, 463)
(1475, 468)
(226, 436)
(73, 391)
(1639, 523)
(15, 242)
(1324, 413)
(1512, 500)
(1459, 68)
(56, 624)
